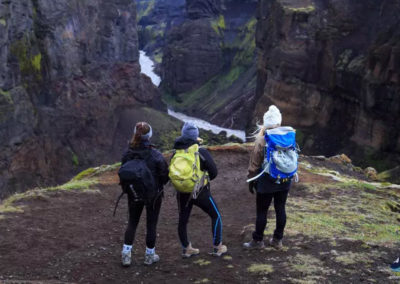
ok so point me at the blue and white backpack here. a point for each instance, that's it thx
(281, 154)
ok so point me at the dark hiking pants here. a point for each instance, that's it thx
(206, 203)
(263, 202)
(135, 211)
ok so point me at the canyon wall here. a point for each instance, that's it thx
(69, 73)
(333, 68)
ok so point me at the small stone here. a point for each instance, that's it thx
(334, 252)
(371, 173)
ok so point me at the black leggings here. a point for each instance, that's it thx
(135, 210)
(206, 203)
(263, 202)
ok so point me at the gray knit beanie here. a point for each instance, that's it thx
(190, 131)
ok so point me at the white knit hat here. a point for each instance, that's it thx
(273, 117)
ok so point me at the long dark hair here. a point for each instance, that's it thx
(141, 128)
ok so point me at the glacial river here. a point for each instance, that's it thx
(147, 66)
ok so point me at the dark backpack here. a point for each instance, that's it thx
(136, 177)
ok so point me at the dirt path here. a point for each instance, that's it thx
(72, 237)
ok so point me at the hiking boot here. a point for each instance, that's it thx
(276, 243)
(151, 258)
(396, 265)
(219, 250)
(126, 258)
(189, 251)
(254, 245)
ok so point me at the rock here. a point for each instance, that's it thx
(208, 65)
(371, 173)
(332, 67)
(67, 72)
(392, 176)
(342, 159)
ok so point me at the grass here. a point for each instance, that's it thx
(306, 264)
(260, 268)
(91, 172)
(348, 258)
(9, 204)
(202, 262)
(348, 208)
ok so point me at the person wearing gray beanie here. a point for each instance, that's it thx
(203, 198)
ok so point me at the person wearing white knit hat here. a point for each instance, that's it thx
(272, 118)
(266, 188)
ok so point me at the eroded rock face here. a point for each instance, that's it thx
(208, 67)
(333, 68)
(68, 69)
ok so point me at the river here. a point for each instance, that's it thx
(147, 66)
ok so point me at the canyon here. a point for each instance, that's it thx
(71, 83)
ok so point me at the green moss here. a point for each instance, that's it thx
(36, 62)
(303, 10)
(29, 61)
(145, 10)
(218, 24)
(158, 57)
(3, 22)
(260, 268)
(6, 95)
(75, 160)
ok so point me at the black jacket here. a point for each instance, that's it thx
(155, 162)
(206, 162)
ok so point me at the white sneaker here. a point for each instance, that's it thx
(189, 251)
(219, 250)
(151, 258)
(126, 258)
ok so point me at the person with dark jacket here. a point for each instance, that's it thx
(266, 187)
(204, 200)
(140, 146)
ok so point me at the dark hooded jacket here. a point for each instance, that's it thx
(206, 161)
(155, 162)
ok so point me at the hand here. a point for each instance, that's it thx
(252, 186)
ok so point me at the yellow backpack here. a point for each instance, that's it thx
(184, 171)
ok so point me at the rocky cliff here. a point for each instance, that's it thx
(69, 79)
(333, 67)
(208, 65)
(155, 19)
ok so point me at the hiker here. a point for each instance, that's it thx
(264, 184)
(153, 170)
(396, 265)
(201, 167)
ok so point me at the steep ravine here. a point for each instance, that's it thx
(205, 52)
